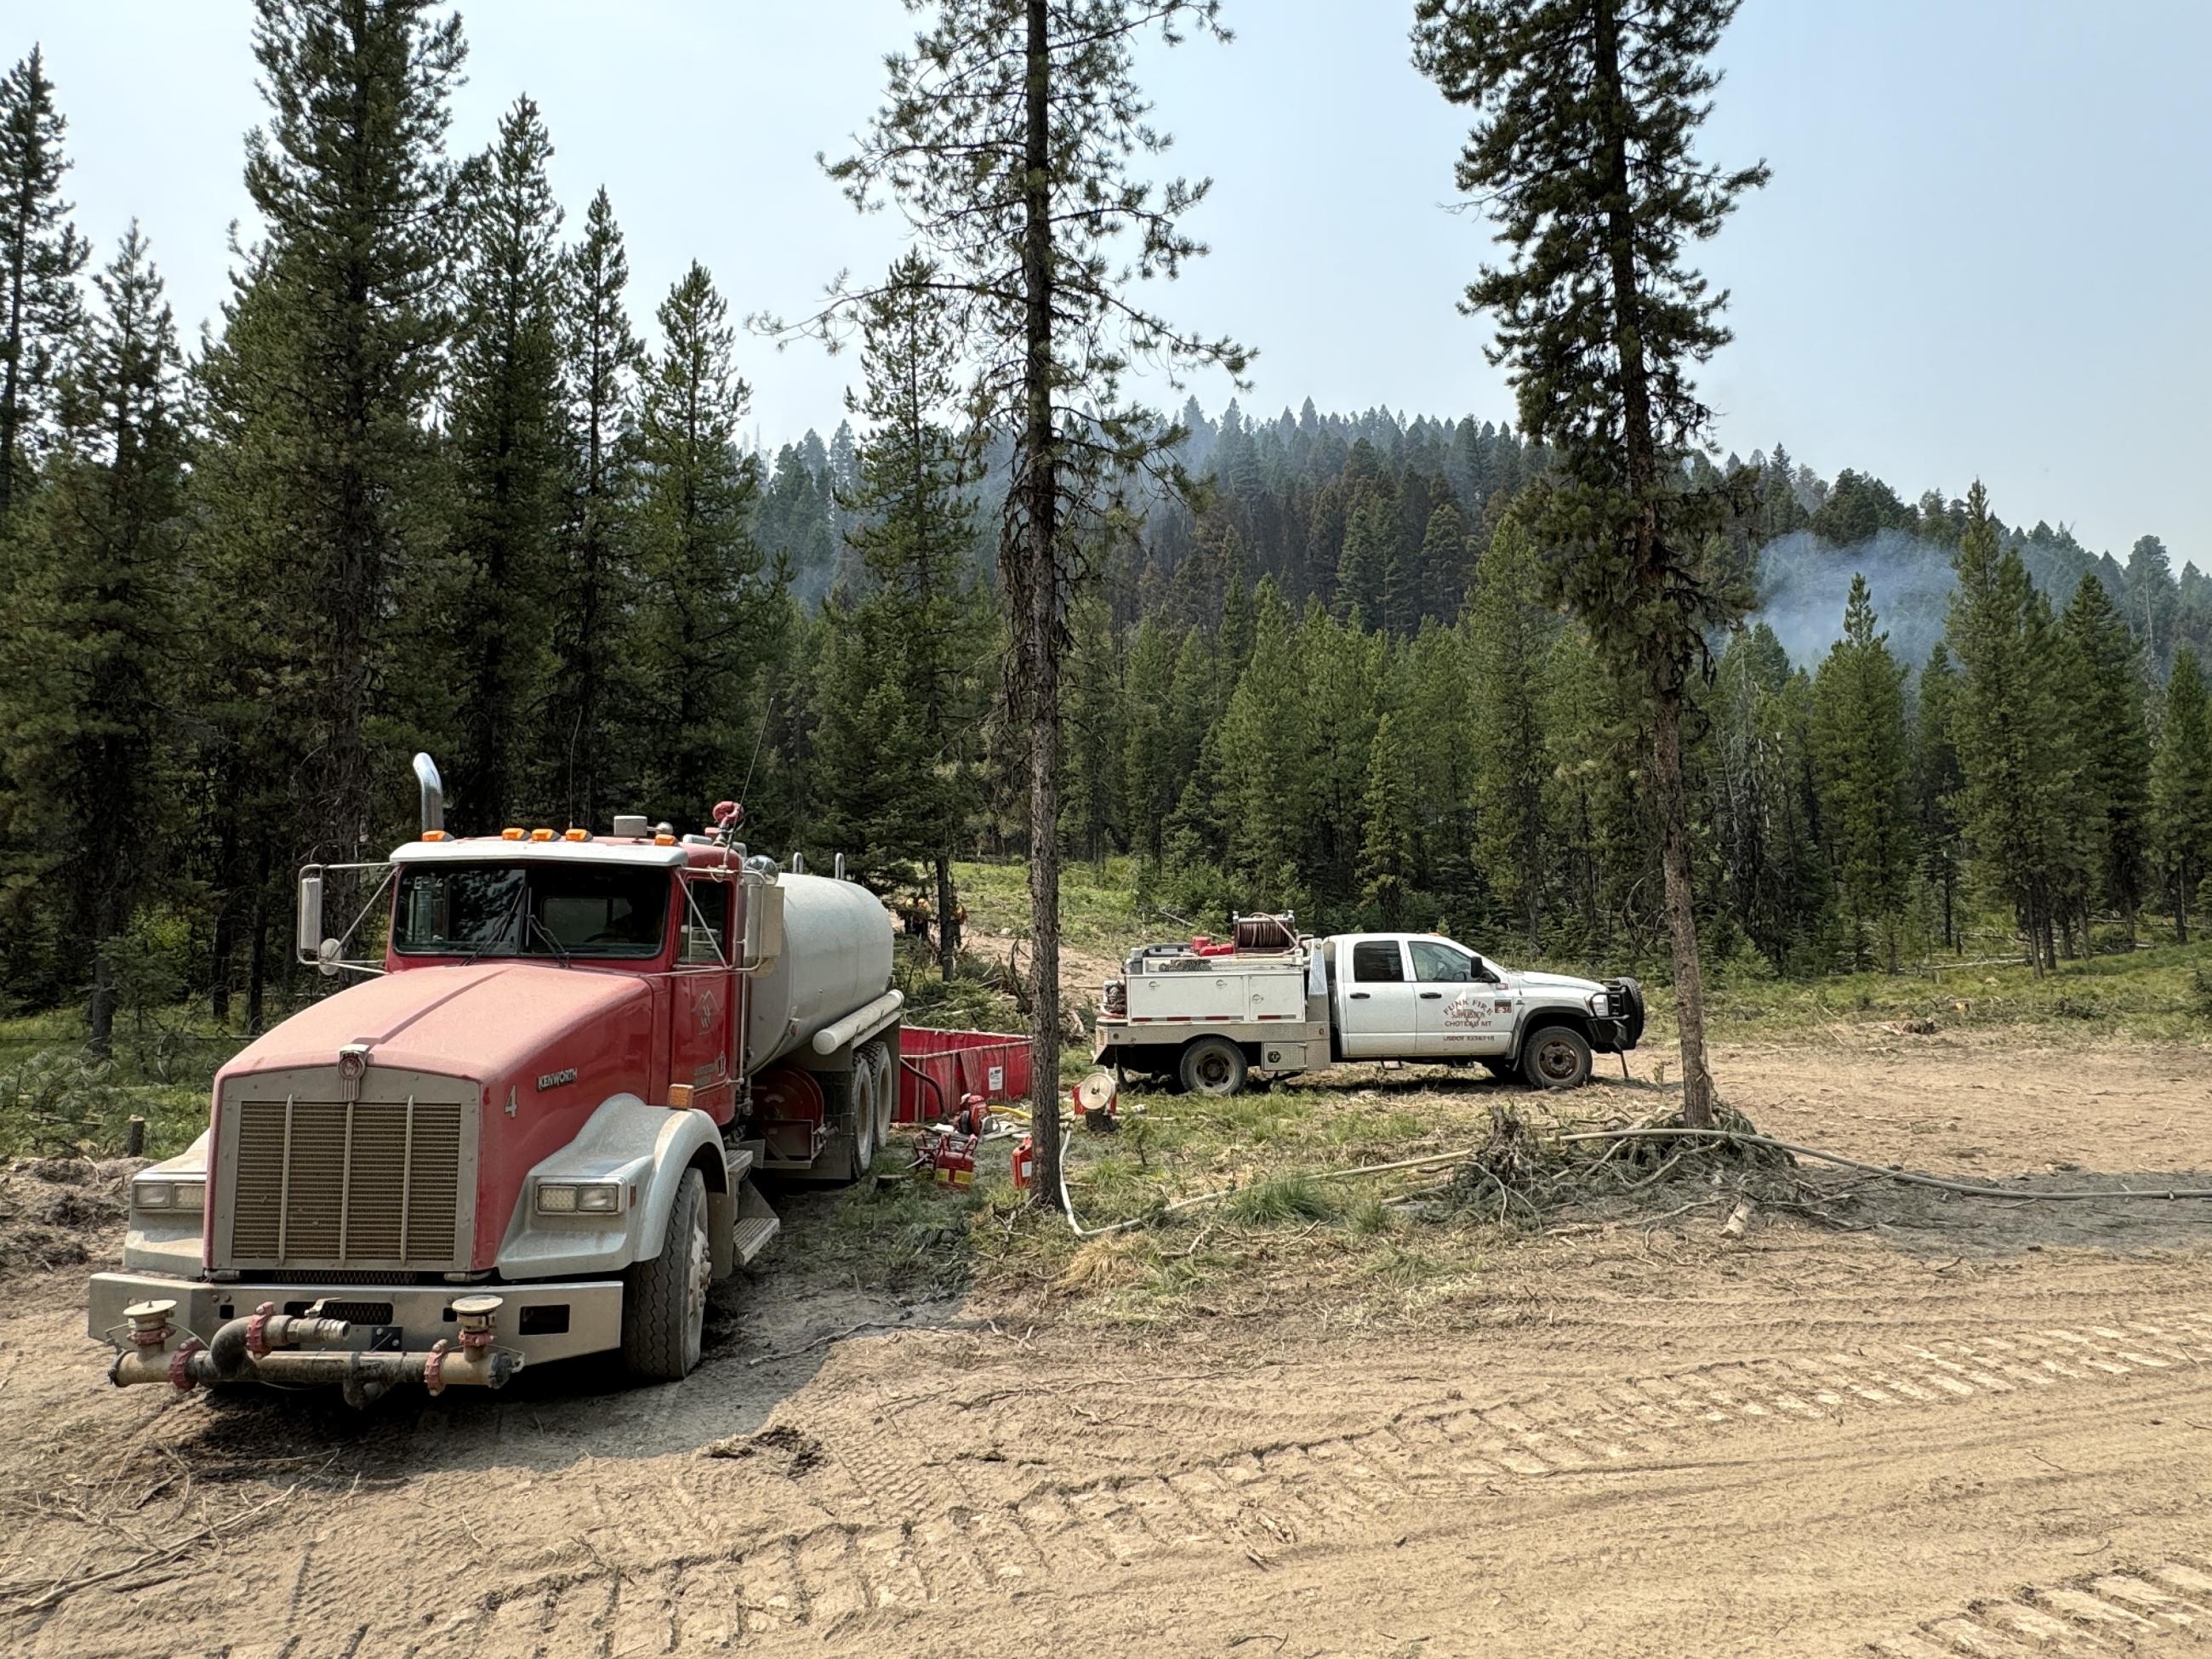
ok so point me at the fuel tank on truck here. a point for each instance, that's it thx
(836, 957)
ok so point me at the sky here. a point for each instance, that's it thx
(1984, 253)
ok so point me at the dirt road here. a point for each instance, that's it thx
(1919, 1440)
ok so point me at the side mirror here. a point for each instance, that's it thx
(326, 958)
(309, 934)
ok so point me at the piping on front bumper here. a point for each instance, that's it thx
(365, 1338)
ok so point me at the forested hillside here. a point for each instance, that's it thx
(440, 479)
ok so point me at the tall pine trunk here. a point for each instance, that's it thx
(1034, 603)
(1669, 797)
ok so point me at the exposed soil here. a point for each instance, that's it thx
(1973, 1428)
(57, 1212)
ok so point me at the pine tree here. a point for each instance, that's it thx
(1509, 634)
(1437, 724)
(702, 623)
(1154, 760)
(1340, 672)
(1092, 697)
(1938, 785)
(600, 356)
(1386, 831)
(1766, 817)
(40, 255)
(2012, 806)
(913, 524)
(89, 627)
(330, 359)
(1443, 563)
(1861, 761)
(1009, 137)
(2104, 706)
(2181, 790)
(1267, 799)
(508, 448)
(1586, 111)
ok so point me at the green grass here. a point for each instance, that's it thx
(2162, 994)
(1101, 909)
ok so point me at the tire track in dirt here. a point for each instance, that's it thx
(2166, 1608)
(824, 1582)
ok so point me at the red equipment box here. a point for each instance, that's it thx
(936, 1068)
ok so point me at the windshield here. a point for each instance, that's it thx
(530, 910)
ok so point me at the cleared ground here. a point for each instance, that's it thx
(1970, 1428)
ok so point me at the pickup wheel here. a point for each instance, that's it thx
(664, 1300)
(1213, 1066)
(1556, 1057)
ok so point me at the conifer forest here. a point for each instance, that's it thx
(441, 477)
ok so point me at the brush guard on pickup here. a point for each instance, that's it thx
(1624, 998)
(300, 1349)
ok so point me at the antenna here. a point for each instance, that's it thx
(759, 739)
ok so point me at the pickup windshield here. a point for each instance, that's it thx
(530, 910)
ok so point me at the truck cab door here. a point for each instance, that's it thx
(704, 995)
(1461, 1008)
(1378, 1021)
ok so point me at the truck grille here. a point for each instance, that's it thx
(337, 1183)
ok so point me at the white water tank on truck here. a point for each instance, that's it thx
(836, 958)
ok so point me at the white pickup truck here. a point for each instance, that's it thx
(1209, 1016)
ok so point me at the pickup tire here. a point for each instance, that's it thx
(1213, 1065)
(664, 1313)
(1556, 1057)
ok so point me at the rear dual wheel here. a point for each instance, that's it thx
(1213, 1066)
(862, 1115)
(877, 1056)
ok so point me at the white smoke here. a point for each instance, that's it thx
(1803, 583)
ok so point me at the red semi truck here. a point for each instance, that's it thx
(531, 1132)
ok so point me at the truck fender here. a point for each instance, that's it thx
(169, 1241)
(647, 1149)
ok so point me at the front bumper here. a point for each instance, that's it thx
(1611, 1036)
(539, 1321)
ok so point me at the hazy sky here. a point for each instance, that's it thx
(1985, 251)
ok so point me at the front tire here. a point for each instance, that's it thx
(1556, 1057)
(1213, 1066)
(664, 1300)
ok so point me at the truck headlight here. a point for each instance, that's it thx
(579, 1198)
(169, 1193)
(1600, 1004)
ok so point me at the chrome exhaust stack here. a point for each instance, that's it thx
(434, 792)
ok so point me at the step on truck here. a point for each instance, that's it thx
(529, 1131)
(1208, 1016)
